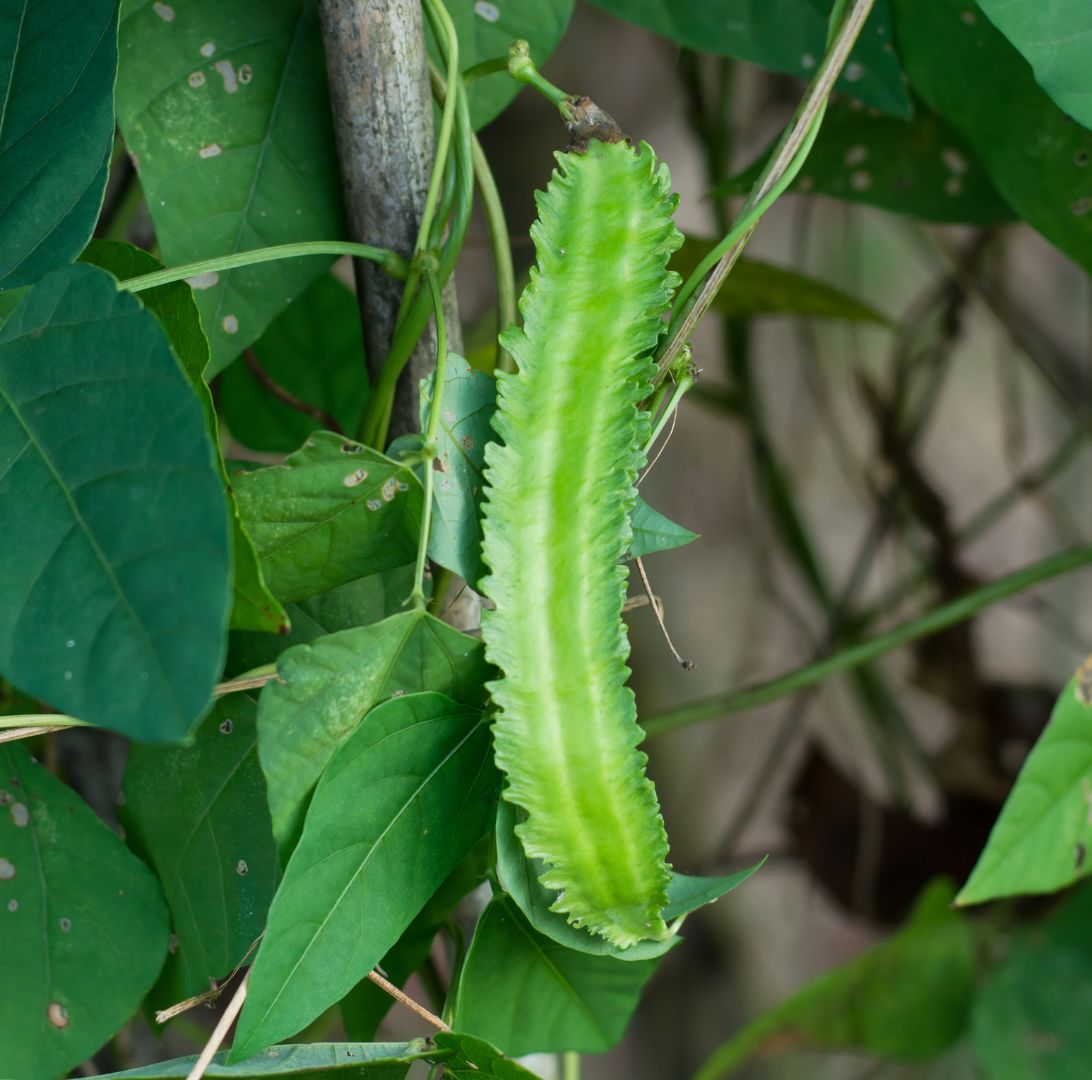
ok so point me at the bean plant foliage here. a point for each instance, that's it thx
(220, 554)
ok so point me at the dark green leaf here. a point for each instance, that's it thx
(255, 607)
(907, 998)
(1056, 39)
(687, 893)
(782, 35)
(653, 532)
(225, 108)
(334, 511)
(526, 993)
(485, 30)
(84, 925)
(921, 167)
(759, 288)
(1041, 840)
(470, 398)
(1039, 160)
(315, 352)
(324, 690)
(57, 66)
(313, 1061)
(476, 1058)
(199, 815)
(1030, 1020)
(401, 802)
(118, 564)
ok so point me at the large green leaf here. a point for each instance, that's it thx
(84, 925)
(1039, 160)
(255, 607)
(333, 512)
(314, 350)
(783, 35)
(225, 110)
(1055, 37)
(311, 1061)
(199, 815)
(526, 993)
(324, 690)
(1030, 1020)
(402, 801)
(907, 998)
(1041, 840)
(920, 167)
(485, 30)
(117, 570)
(57, 66)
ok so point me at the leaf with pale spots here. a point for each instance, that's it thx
(199, 815)
(116, 576)
(225, 110)
(333, 512)
(82, 921)
(324, 690)
(401, 802)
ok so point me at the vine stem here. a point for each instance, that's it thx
(780, 170)
(963, 607)
(388, 260)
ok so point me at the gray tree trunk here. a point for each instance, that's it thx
(383, 120)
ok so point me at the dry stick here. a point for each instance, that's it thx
(163, 1015)
(15, 734)
(244, 682)
(219, 1032)
(405, 999)
(815, 100)
(686, 665)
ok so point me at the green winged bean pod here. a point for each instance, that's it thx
(556, 524)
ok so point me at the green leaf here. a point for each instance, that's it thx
(475, 1058)
(470, 398)
(402, 801)
(1030, 1020)
(520, 876)
(526, 993)
(920, 167)
(255, 607)
(117, 565)
(323, 325)
(334, 511)
(198, 813)
(782, 35)
(760, 288)
(653, 532)
(84, 925)
(324, 690)
(907, 998)
(225, 109)
(1039, 160)
(312, 1061)
(1056, 39)
(485, 30)
(1041, 840)
(57, 66)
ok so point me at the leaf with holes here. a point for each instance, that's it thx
(323, 325)
(527, 994)
(324, 690)
(84, 925)
(1041, 840)
(782, 35)
(1040, 161)
(401, 802)
(486, 29)
(198, 813)
(110, 494)
(57, 67)
(333, 512)
(254, 607)
(225, 111)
